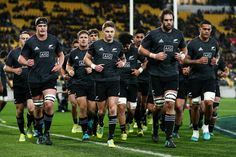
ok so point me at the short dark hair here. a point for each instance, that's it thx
(108, 24)
(75, 41)
(125, 38)
(93, 31)
(82, 32)
(24, 32)
(205, 22)
(165, 12)
(139, 31)
(41, 20)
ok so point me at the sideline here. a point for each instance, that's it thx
(103, 144)
(225, 131)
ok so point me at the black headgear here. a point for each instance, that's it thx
(41, 20)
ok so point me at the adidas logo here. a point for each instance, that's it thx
(36, 48)
(213, 48)
(160, 41)
(76, 57)
(200, 49)
(101, 49)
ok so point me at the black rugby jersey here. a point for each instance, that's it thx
(197, 49)
(12, 61)
(107, 54)
(170, 43)
(44, 54)
(76, 61)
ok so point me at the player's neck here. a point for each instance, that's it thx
(42, 37)
(204, 39)
(108, 41)
(165, 30)
(83, 47)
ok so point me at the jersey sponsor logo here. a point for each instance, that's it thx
(101, 49)
(127, 65)
(81, 63)
(213, 48)
(207, 54)
(175, 41)
(131, 58)
(76, 57)
(200, 49)
(107, 56)
(36, 48)
(160, 41)
(50, 47)
(168, 48)
(44, 54)
(114, 50)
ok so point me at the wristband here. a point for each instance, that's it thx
(140, 69)
(152, 55)
(182, 55)
(93, 66)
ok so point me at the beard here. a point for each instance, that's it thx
(167, 28)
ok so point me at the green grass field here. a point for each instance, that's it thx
(67, 144)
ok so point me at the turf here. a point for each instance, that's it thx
(219, 145)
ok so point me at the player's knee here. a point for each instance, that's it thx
(133, 105)
(196, 100)
(159, 101)
(38, 103)
(170, 97)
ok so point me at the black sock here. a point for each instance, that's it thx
(169, 124)
(20, 123)
(95, 123)
(75, 120)
(200, 122)
(47, 122)
(39, 125)
(155, 122)
(176, 128)
(123, 128)
(138, 117)
(112, 126)
(84, 124)
(2, 105)
(211, 128)
(100, 120)
(195, 126)
(30, 119)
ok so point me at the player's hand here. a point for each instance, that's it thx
(203, 60)
(135, 72)
(159, 56)
(71, 73)
(66, 77)
(222, 74)
(99, 67)
(56, 68)
(213, 61)
(18, 71)
(120, 64)
(88, 70)
(30, 62)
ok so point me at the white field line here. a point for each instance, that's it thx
(104, 144)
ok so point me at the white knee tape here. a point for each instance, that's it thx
(122, 100)
(159, 101)
(49, 97)
(209, 96)
(38, 103)
(133, 105)
(170, 96)
(196, 101)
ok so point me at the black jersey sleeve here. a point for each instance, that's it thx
(70, 59)
(147, 41)
(9, 61)
(58, 47)
(182, 43)
(91, 49)
(26, 50)
(190, 49)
